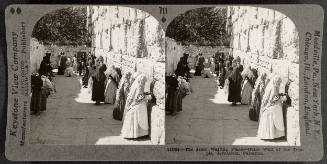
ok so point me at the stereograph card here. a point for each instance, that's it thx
(164, 82)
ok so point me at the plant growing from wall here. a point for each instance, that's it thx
(278, 48)
(141, 47)
(110, 38)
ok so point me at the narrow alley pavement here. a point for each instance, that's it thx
(208, 118)
(72, 118)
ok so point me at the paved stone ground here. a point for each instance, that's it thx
(72, 118)
(208, 118)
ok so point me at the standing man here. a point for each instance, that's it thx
(62, 64)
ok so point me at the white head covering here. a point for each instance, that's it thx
(136, 93)
(271, 91)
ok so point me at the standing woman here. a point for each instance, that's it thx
(206, 67)
(222, 74)
(111, 85)
(46, 89)
(90, 69)
(98, 87)
(257, 95)
(213, 65)
(37, 84)
(228, 71)
(135, 122)
(235, 80)
(75, 64)
(121, 96)
(172, 94)
(271, 124)
(247, 85)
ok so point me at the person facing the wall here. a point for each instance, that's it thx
(112, 83)
(121, 96)
(135, 121)
(271, 121)
(257, 94)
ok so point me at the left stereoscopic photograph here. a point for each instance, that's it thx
(97, 77)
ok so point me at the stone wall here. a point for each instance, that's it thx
(174, 51)
(38, 50)
(268, 40)
(132, 39)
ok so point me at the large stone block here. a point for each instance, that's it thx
(293, 128)
(157, 125)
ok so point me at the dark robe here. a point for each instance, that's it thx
(37, 84)
(182, 69)
(255, 73)
(235, 82)
(172, 94)
(44, 70)
(119, 107)
(240, 68)
(86, 77)
(222, 75)
(255, 105)
(99, 85)
(200, 66)
(179, 70)
(62, 65)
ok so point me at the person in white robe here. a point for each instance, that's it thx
(135, 120)
(207, 68)
(69, 71)
(271, 122)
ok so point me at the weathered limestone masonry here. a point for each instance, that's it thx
(38, 50)
(268, 40)
(174, 51)
(132, 39)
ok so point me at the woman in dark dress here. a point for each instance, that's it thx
(172, 94)
(259, 90)
(121, 96)
(235, 80)
(199, 65)
(98, 87)
(222, 74)
(37, 84)
(180, 70)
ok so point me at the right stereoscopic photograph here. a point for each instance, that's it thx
(232, 77)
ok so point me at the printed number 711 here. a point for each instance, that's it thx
(163, 10)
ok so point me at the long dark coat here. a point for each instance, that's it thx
(99, 85)
(235, 81)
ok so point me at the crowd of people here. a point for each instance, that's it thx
(240, 85)
(264, 94)
(126, 92)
